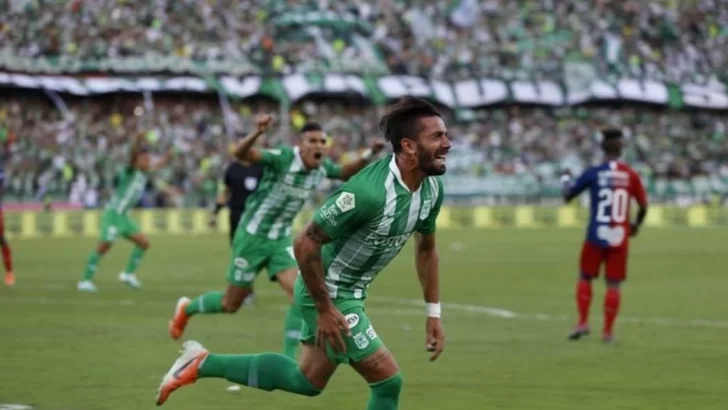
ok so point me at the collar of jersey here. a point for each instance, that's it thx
(299, 166)
(398, 175)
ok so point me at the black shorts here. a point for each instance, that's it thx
(235, 215)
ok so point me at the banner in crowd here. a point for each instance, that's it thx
(380, 89)
(64, 224)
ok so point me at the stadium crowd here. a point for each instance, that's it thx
(666, 39)
(659, 38)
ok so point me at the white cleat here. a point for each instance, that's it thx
(130, 279)
(183, 371)
(86, 286)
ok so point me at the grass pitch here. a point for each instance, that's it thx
(508, 306)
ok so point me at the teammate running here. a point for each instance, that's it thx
(352, 237)
(116, 221)
(611, 185)
(263, 236)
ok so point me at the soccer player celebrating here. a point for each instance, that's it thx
(263, 236)
(611, 185)
(352, 237)
(116, 221)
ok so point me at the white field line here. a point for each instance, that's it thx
(415, 306)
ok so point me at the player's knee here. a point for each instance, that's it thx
(103, 248)
(3, 241)
(388, 389)
(585, 276)
(613, 283)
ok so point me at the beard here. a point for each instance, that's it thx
(430, 163)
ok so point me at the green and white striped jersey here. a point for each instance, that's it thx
(129, 188)
(369, 219)
(284, 189)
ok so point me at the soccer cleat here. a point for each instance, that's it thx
(607, 338)
(183, 371)
(130, 279)
(86, 286)
(179, 320)
(578, 332)
(249, 300)
(9, 279)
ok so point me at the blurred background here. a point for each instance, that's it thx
(525, 87)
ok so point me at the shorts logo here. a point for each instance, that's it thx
(371, 333)
(346, 202)
(352, 319)
(426, 207)
(361, 341)
(241, 263)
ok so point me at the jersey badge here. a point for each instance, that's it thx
(426, 208)
(346, 202)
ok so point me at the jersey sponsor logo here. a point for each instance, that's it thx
(274, 151)
(251, 183)
(241, 263)
(329, 213)
(361, 341)
(396, 241)
(346, 201)
(294, 191)
(426, 207)
(352, 319)
(371, 333)
(613, 235)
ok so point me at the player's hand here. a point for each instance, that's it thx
(331, 325)
(634, 229)
(435, 337)
(263, 122)
(377, 145)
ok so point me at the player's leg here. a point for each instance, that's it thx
(234, 216)
(267, 371)
(241, 274)
(373, 361)
(590, 261)
(7, 254)
(285, 270)
(615, 274)
(108, 234)
(141, 245)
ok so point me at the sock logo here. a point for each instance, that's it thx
(352, 319)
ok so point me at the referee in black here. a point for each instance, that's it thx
(239, 182)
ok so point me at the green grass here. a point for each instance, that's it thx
(62, 350)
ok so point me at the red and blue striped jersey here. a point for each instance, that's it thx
(612, 186)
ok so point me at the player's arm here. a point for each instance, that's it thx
(245, 151)
(220, 201)
(136, 146)
(571, 189)
(349, 169)
(427, 263)
(640, 195)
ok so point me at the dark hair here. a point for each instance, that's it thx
(401, 120)
(611, 134)
(311, 126)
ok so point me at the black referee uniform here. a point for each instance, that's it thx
(241, 181)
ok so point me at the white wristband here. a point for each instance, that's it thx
(565, 178)
(367, 155)
(433, 309)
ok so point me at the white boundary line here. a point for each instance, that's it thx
(413, 305)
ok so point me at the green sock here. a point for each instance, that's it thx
(210, 302)
(93, 261)
(385, 394)
(136, 256)
(292, 332)
(267, 371)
